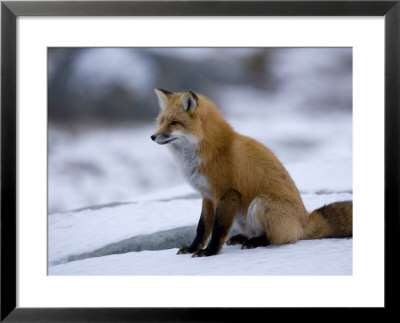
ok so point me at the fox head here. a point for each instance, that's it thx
(178, 121)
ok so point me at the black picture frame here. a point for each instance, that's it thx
(11, 10)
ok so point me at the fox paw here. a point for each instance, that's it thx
(236, 239)
(204, 253)
(185, 250)
(255, 242)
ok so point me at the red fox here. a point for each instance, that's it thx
(238, 179)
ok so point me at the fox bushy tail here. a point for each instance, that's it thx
(330, 221)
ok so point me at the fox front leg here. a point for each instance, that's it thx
(225, 213)
(204, 228)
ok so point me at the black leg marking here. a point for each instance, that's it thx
(224, 214)
(198, 240)
(252, 243)
(237, 239)
(214, 245)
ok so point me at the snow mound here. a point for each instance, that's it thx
(312, 257)
(102, 241)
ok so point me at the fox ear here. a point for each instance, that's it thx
(162, 96)
(189, 101)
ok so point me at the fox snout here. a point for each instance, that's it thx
(162, 139)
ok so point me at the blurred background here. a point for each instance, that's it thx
(102, 110)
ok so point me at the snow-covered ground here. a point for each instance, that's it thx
(322, 257)
(76, 234)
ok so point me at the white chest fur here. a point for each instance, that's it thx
(186, 155)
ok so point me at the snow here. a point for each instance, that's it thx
(108, 66)
(79, 232)
(122, 161)
(322, 257)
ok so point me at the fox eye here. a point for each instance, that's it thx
(175, 123)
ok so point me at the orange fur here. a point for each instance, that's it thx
(229, 161)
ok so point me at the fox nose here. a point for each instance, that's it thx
(153, 137)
